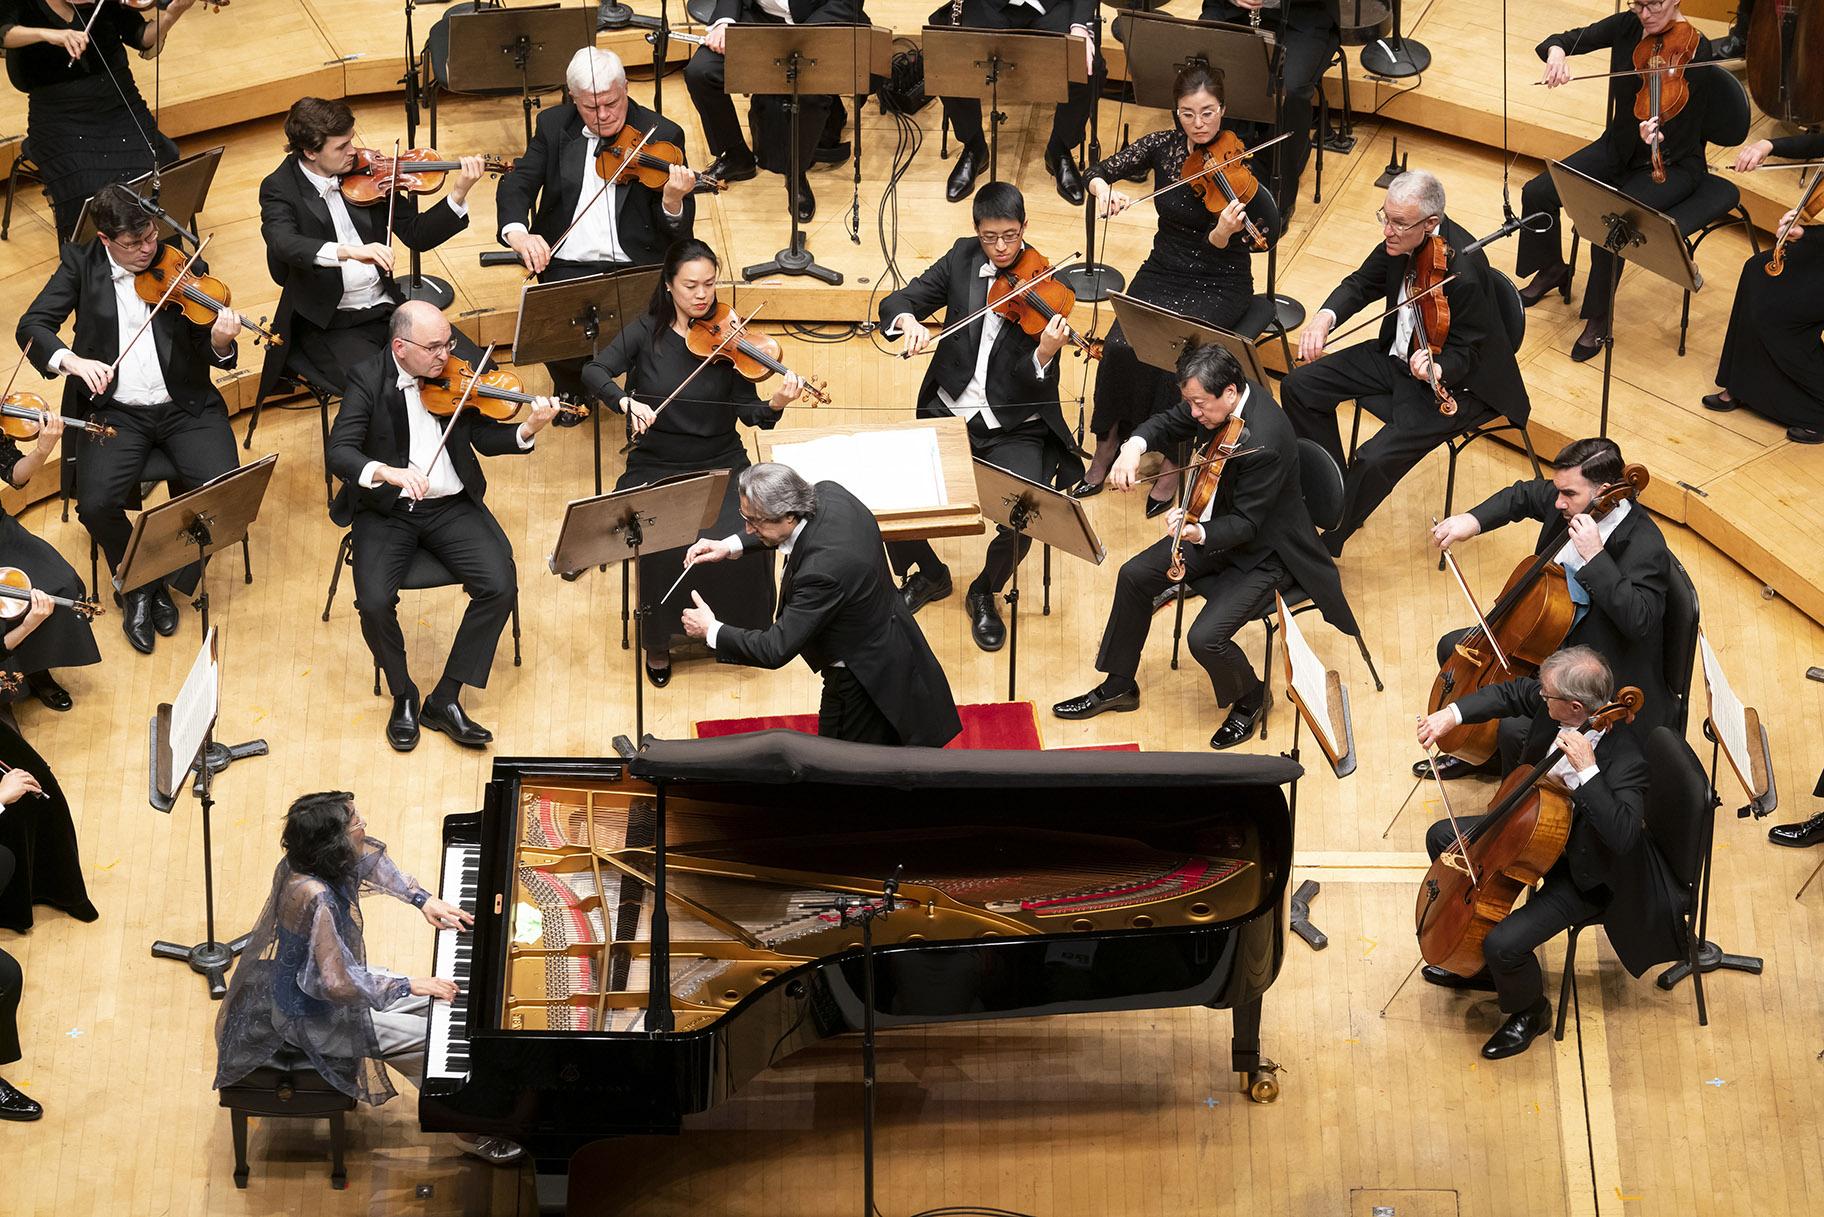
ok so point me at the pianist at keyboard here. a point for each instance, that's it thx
(304, 978)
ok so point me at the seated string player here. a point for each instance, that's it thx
(154, 388)
(1603, 872)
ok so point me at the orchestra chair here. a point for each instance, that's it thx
(1680, 818)
(287, 1087)
(158, 469)
(22, 168)
(1717, 202)
(300, 375)
(425, 573)
(1513, 320)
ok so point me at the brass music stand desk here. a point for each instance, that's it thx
(502, 50)
(1036, 67)
(1159, 336)
(182, 187)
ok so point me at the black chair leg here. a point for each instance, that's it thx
(1570, 278)
(94, 564)
(1355, 431)
(253, 423)
(246, 562)
(329, 487)
(338, 1135)
(237, 1119)
(335, 574)
(1323, 133)
(376, 678)
(1450, 487)
(1567, 989)
(1266, 680)
(516, 632)
(1361, 644)
(1178, 623)
(1532, 456)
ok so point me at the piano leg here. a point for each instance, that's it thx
(1259, 1080)
(552, 1182)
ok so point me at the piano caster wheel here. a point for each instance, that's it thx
(1263, 1083)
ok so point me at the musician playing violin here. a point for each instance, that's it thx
(1606, 870)
(693, 433)
(1392, 375)
(1622, 156)
(153, 387)
(332, 259)
(407, 486)
(553, 211)
(1773, 354)
(1618, 570)
(62, 638)
(1252, 538)
(1000, 378)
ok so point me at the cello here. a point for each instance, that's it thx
(1786, 61)
(1527, 623)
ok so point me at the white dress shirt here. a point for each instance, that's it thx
(781, 9)
(1137, 445)
(360, 282)
(138, 380)
(426, 438)
(1405, 322)
(1562, 771)
(596, 237)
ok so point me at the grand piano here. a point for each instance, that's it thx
(652, 931)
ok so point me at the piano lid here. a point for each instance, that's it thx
(781, 757)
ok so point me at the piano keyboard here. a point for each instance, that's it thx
(447, 1042)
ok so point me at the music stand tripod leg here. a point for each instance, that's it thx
(209, 958)
(1709, 956)
(216, 756)
(794, 259)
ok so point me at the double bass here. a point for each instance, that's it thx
(1786, 61)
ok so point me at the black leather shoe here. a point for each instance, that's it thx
(402, 727)
(1545, 283)
(968, 167)
(136, 621)
(921, 588)
(731, 167)
(831, 154)
(450, 719)
(1085, 489)
(164, 611)
(1157, 507)
(1719, 403)
(985, 622)
(807, 202)
(1582, 352)
(1799, 835)
(1451, 768)
(1070, 179)
(1518, 1032)
(1805, 435)
(660, 677)
(1450, 980)
(1238, 727)
(1097, 702)
(15, 1104)
(45, 688)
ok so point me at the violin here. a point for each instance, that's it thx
(497, 393)
(1218, 182)
(1786, 61)
(1028, 294)
(1529, 621)
(1661, 60)
(651, 166)
(418, 171)
(1811, 206)
(1431, 310)
(1202, 487)
(1474, 883)
(22, 417)
(719, 335)
(199, 296)
(16, 597)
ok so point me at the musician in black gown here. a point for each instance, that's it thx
(1201, 266)
(694, 433)
(86, 123)
(15, 786)
(63, 640)
(1773, 354)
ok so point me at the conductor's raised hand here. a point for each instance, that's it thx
(698, 617)
(705, 550)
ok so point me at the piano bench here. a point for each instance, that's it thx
(287, 1088)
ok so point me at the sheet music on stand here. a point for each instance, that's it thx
(905, 471)
(1318, 695)
(1737, 729)
(183, 726)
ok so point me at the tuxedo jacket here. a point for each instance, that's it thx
(1477, 357)
(804, 12)
(1608, 845)
(1628, 583)
(837, 603)
(1016, 391)
(372, 426)
(547, 182)
(1259, 508)
(1081, 12)
(83, 284)
(1619, 34)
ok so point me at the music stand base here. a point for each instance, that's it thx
(1092, 281)
(208, 959)
(613, 16)
(1289, 312)
(1395, 61)
(223, 755)
(793, 260)
(428, 288)
(1710, 958)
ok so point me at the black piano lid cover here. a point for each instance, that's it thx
(781, 757)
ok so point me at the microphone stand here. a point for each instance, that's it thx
(418, 285)
(1092, 280)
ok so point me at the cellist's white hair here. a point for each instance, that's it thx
(1420, 187)
(593, 70)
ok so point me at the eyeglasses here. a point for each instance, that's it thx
(445, 347)
(1000, 240)
(355, 820)
(124, 242)
(1191, 116)
(1388, 225)
(759, 520)
(1649, 6)
(1555, 696)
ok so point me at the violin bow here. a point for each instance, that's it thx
(1020, 290)
(1450, 560)
(734, 332)
(603, 189)
(23, 351)
(1385, 313)
(176, 282)
(1212, 169)
(392, 193)
(1781, 165)
(1659, 71)
(1208, 460)
(444, 439)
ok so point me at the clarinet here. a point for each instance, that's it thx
(956, 12)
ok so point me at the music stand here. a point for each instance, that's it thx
(668, 514)
(1322, 704)
(180, 188)
(1090, 279)
(1159, 336)
(1029, 508)
(576, 318)
(1633, 232)
(1036, 67)
(1250, 66)
(505, 49)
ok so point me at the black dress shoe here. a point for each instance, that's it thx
(985, 622)
(968, 167)
(1085, 489)
(1450, 980)
(136, 620)
(1097, 702)
(15, 1104)
(1544, 284)
(1238, 727)
(1451, 767)
(45, 688)
(1518, 1032)
(1805, 435)
(1719, 403)
(922, 587)
(733, 168)
(1158, 507)
(1070, 179)
(807, 202)
(1582, 352)
(1799, 835)
(660, 677)
(831, 154)
(450, 719)
(402, 727)
(164, 612)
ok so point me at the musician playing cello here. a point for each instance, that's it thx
(1606, 869)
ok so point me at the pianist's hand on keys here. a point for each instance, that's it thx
(445, 916)
(434, 986)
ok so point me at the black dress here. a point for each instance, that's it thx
(1773, 354)
(694, 433)
(62, 640)
(82, 127)
(1183, 273)
(42, 839)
